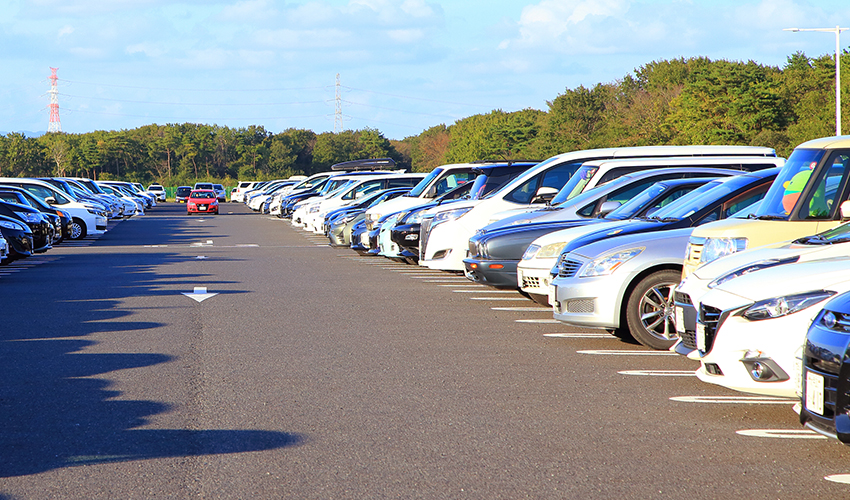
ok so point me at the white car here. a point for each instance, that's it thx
(753, 325)
(4, 248)
(86, 219)
(157, 190)
(446, 231)
(237, 193)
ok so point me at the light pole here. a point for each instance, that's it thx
(837, 32)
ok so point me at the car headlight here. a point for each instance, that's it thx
(551, 250)
(414, 217)
(777, 307)
(12, 225)
(530, 252)
(314, 209)
(29, 216)
(714, 248)
(450, 215)
(607, 264)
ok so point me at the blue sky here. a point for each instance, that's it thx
(404, 65)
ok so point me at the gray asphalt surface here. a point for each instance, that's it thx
(314, 373)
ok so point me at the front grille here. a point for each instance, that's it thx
(530, 282)
(567, 268)
(424, 232)
(580, 306)
(689, 339)
(709, 317)
(834, 389)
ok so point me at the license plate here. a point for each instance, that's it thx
(814, 392)
(701, 337)
(202, 207)
(553, 296)
(680, 320)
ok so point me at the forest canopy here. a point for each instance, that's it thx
(679, 101)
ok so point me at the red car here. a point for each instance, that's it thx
(202, 201)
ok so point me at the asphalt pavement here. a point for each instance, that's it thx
(233, 356)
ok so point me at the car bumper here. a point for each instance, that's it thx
(445, 247)
(495, 273)
(535, 280)
(729, 353)
(588, 302)
(825, 392)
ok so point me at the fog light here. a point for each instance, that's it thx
(764, 369)
(760, 371)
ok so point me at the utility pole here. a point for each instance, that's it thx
(338, 114)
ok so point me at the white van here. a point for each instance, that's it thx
(445, 232)
(85, 218)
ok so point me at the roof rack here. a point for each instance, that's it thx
(370, 164)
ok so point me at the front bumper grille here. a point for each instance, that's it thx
(530, 282)
(710, 318)
(567, 267)
(424, 232)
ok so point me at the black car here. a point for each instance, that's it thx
(182, 194)
(42, 229)
(826, 361)
(493, 255)
(19, 237)
(60, 219)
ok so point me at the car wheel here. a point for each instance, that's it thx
(77, 229)
(649, 310)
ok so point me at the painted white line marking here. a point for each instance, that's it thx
(755, 400)
(200, 257)
(781, 433)
(442, 280)
(199, 294)
(659, 373)
(484, 290)
(580, 335)
(517, 298)
(427, 276)
(541, 321)
(523, 309)
(838, 478)
(248, 245)
(471, 285)
(616, 352)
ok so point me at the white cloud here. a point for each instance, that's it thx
(65, 30)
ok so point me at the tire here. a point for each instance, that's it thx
(649, 310)
(77, 229)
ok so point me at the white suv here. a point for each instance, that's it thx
(157, 190)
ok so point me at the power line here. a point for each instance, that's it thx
(194, 103)
(195, 90)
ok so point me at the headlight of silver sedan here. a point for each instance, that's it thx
(609, 263)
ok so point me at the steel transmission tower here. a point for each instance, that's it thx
(54, 125)
(338, 115)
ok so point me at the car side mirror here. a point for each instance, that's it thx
(50, 200)
(845, 210)
(608, 207)
(544, 195)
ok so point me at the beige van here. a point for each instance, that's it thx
(805, 199)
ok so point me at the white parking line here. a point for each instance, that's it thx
(580, 335)
(839, 478)
(442, 280)
(523, 309)
(781, 433)
(541, 321)
(518, 297)
(620, 352)
(485, 290)
(659, 373)
(754, 400)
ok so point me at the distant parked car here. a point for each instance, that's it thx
(157, 190)
(182, 194)
(220, 192)
(202, 201)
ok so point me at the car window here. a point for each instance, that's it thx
(821, 200)
(202, 194)
(555, 177)
(450, 182)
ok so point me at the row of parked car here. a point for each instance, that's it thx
(685, 248)
(37, 213)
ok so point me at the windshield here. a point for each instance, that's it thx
(785, 191)
(538, 168)
(202, 194)
(698, 198)
(424, 183)
(576, 184)
(628, 209)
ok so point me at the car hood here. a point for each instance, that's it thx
(675, 240)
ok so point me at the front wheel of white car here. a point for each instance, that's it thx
(650, 310)
(77, 229)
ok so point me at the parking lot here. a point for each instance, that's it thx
(232, 356)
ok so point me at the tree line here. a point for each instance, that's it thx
(680, 101)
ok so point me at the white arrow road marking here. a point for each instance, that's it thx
(541, 321)
(744, 400)
(839, 478)
(580, 335)
(614, 352)
(659, 373)
(199, 294)
(523, 309)
(781, 433)
(200, 257)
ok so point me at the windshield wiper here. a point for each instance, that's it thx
(766, 217)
